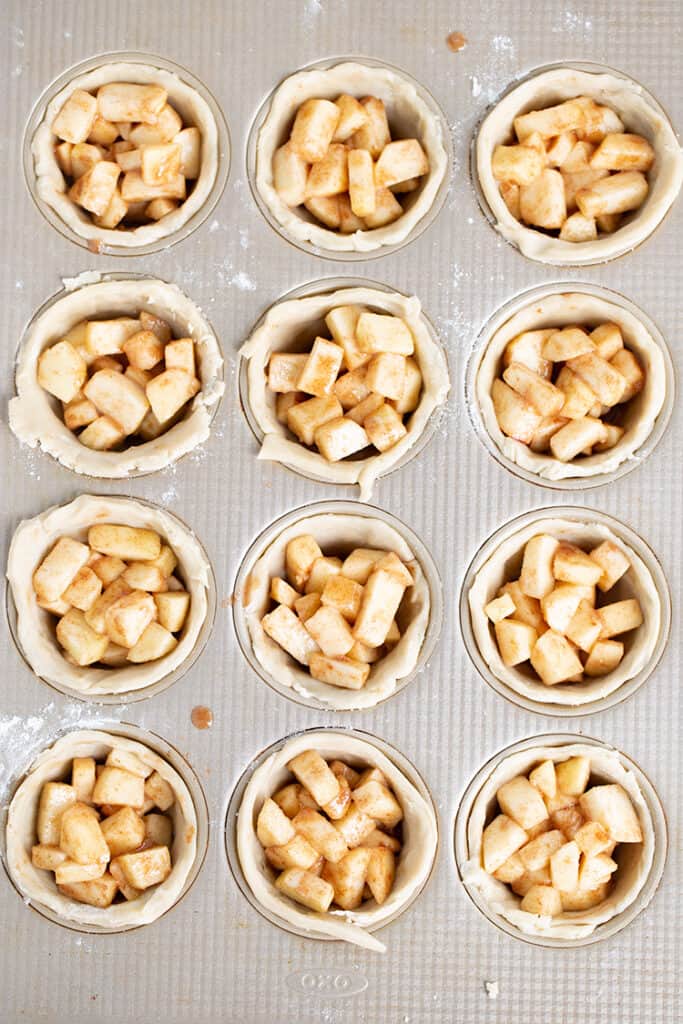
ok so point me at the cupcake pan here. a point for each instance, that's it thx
(213, 957)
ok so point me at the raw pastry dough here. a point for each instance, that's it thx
(499, 568)
(32, 540)
(635, 859)
(420, 837)
(35, 416)
(339, 532)
(194, 111)
(408, 115)
(281, 331)
(39, 886)
(629, 101)
(559, 310)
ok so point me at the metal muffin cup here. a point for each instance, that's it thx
(407, 768)
(653, 806)
(341, 255)
(169, 753)
(37, 116)
(525, 300)
(580, 516)
(271, 533)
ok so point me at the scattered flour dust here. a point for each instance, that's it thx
(22, 739)
(573, 21)
(491, 989)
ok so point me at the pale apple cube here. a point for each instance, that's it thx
(567, 343)
(344, 594)
(95, 616)
(99, 892)
(321, 570)
(614, 436)
(154, 642)
(352, 387)
(378, 802)
(95, 189)
(526, 348)
(142, 576)
(306, 888)
(315, 775)
(129, 159)
(284, 402)
(382, 596)
(282, 593)
(338, 807)
(284, 370)
(522, 802)
(143, 350)
(630, 369)
(540, 442)
(292, 798)
(592, 839)
(348, 221)
(330, 630)
(620, 617)
(517, 165)
(601, 377)
(500, 608)
(595, 871)
(542, 203)
(63, 158)
(146, 867)
(179, 355)
(578, 397)
(585, 627)
(560, 605)
(305, 418)
(400, 161)
(307, 605)
(361, 562)
(328, 176)
(70, 871)
(381, 872)
(115, 656)
(536, 854)
(320, 834)
(391, 563)
(107, 337)
(516, 417)
(572, 565)
(562, 117)
(62, 371)
(572, 777)
(114, 214)
(611, 807)
(387, 209)
(287, 630)
(118, 757)
(536, 577)
(386, 374)
(47, 858)
(342, 322)
(172, 609)
(539, 392)
(352, 116)
(613, 563)
(290, 172)
(59, 607)
(379, 332)
(134, 189)
(339, 438)
(102, 434)
(527, 609)
(126, 101)
(374, 135)
(123, 831)
(542, 900)
(59, 568)
(297, 853)
(511, 870)
(320, 369)
(384, 428)
(554, 658)
(342, 672)
(84, 589)
(412, 388)
(128, 617)
(117, 396)
(362, 195)
(55, 797)
(325, 209)
(617, 193)
(356, 827)
(348, 877)
(300, 554)
(273, 827)
(131, 543)
(607, 339)
(502, 837)
(76, 118)
(359, 413)
(576, 437)
(83, 157)
(80, 836)
(78, 639)
(160, 164)
(189, 140)
(313, 129)
(158, 830)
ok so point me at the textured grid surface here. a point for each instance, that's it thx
(213, 958)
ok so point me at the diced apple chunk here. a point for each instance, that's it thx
(123, 831)
(118, 786)
(378, 332)
(381, 599)
(59, 567)
(79, 640)
(611, 807)
(544, 779)
(306, 417)
(604, 657)
(273, 827)
(515, 641)
(502, 837)
(613, 563)
(314, 774)
(620, 617)
(344, 672)
(554, 659)
(55, 797)
(146, 867)
(80, 836)
(522, 802)
(384, 428)
(76, 118)
(399, 161)
(516, 417)
(542, 900)
(154, 642)
(169, 391)
(320, 833)
(62, 371)
(536, 578)
(338, 438)
(306, 888)
(99, 892)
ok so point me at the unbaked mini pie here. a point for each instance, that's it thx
(560, 840)
(342, 385)
(571, 385)
(126, 154)
(337, 607)
(102, 831)
(577, 167)
(333, 838)
(349, 157)
(110, 594)
(117, 377)
(563, 611)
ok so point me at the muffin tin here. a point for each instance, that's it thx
(212, 954)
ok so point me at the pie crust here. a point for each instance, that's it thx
(638, 114)
(559, 310)
(407, 112)
(32, 540)
(281, 331)
(40, 887)
(635, 859)
(50, 183)
(420, 837)
(35, 415)
(339, 532)
(503, 566)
